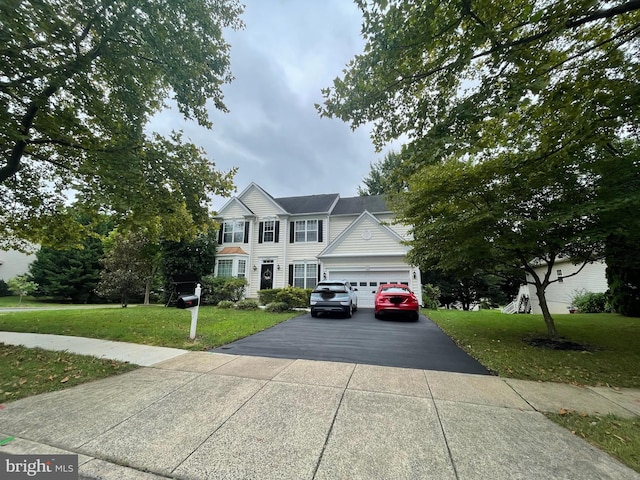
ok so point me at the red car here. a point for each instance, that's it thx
(398, 299)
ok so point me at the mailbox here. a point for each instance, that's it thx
(187, 301)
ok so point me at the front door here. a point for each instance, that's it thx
(266, 276)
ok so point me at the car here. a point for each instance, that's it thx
(396, 299)
(333, 296)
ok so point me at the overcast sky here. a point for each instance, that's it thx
(288, 52)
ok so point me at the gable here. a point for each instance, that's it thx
(234, 208)
(366, 236)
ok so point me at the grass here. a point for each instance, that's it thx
(30, 371)
(27, 302)
(610, 357)
(619, 437)
(611, 353)
(149, 325)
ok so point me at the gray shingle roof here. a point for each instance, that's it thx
(308, 204)
(357, 205)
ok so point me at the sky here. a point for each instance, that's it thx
(288, 51)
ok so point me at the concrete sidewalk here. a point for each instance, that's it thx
(200, 415)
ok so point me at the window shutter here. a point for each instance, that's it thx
(260, 231)
(292, 231)
(320, 231)
(277, 233)
(318, 271)
(246, 232)
(291, 274)
(220, 234)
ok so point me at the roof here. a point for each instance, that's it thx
(232, 251)
(357, 205)
(309, 203)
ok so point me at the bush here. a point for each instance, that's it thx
(590, 302)
(277, 307)
(267, 296)
(247, 305)
(294, 297)
(4, 289)
(226, 304)
(431, 296)
(217, 289)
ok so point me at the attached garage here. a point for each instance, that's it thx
(367, 281)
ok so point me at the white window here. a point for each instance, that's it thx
(269, 231)
(225, 268)
(242, 268)
(233, 231)
(306, 231)
(305, 275)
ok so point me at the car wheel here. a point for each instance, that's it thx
(355, 307)
(350, 311)
(314, 314)
(415, 316)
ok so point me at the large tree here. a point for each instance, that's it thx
(515, 113)
(78, 84)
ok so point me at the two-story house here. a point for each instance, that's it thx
(275, 242)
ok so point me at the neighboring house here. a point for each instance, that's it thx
(13, 263)
(559, 294)
(275, 242)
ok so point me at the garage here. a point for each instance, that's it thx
(367, 282)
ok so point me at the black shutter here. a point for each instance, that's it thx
(318, 270)
(277, 234)
(246, 232)
(291, 274)
(319, 230)
(292, 231)
(220, 234)
(260, 231)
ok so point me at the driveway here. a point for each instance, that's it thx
(361, 339)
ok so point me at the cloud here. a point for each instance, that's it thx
(287, 53)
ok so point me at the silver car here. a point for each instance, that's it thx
(334, 296)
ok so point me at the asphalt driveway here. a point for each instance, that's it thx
(361, 339)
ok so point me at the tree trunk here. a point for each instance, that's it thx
(147, 291)
(548, 320)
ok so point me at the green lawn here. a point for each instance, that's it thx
(611, 355)
(30, 371)
(148, 325)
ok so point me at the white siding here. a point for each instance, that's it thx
(368, 237)
(592, 278)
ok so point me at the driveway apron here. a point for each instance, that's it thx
(360, 339)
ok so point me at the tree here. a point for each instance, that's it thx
(72, 274)
(21, 285)
(385, 176)
(196, 257)
(130, 265)
(78, 84)
(515, 113)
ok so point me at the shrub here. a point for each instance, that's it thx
(217, 289)
(226, 304)
(294, 297)
(267, 296)
(4, 289)
(430, 296)
(276, 307)
(591, 302)
(247, 305)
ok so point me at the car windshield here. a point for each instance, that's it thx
(330, 287)
(395, 289)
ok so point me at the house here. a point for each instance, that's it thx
(564, 286)
(275, 242)
(13, 263)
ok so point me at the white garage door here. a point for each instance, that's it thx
(367, 282)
